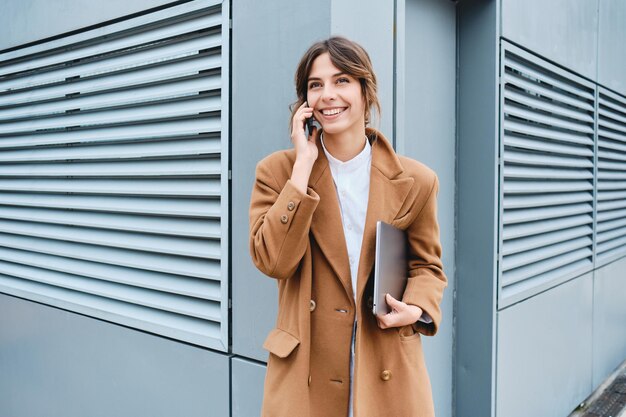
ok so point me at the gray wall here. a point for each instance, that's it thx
(585, 36)
(60, 364)
(426, 131)
(24, 21)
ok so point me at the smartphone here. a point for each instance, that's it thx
(308, 125)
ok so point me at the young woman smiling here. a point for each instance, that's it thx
(313, 216)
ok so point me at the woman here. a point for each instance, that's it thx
(313, 216)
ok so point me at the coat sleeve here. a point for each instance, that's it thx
(426, 280)
(280, 219)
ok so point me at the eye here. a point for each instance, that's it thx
(314, 84)
(343, 80)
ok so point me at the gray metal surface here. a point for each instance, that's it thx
(114, 165)
(263, 87)
(611, 212)
(609, 316)
(60, 364)
(611, 51)
(425, 130)
(544, 351)
(477, 202)
(566, 31)
(247, 387)
(546, 175)
(45, 19)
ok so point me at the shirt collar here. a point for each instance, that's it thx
(359, 160)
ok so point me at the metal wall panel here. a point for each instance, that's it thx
(611, 51)
(611, 212)
(114, 160)
(544, 352)
(546, 175)
(57, 363)
(566, 31)
(477, 202)
(426, 130)
(247, 387)
(609, 316)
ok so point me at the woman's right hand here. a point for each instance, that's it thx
(306, 148)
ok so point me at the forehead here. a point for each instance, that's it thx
(323, 67)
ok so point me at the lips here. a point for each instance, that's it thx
(330, 114)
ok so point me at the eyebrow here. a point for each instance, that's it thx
(334, 75)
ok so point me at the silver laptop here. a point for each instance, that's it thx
(390, 267)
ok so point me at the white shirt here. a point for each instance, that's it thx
(352, 183)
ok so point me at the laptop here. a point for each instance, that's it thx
(390, 266)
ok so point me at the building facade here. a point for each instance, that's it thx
(129, 135)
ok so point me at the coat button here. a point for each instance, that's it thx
(312, 305)
(284, 219)
(291, 206)
(385, 375)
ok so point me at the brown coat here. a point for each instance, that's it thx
(298, 239)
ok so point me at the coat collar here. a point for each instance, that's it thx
(387, 193)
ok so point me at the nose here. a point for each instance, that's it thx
(329, 93)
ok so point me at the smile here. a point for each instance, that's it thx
(332, 113)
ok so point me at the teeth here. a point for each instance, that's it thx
(331, 112)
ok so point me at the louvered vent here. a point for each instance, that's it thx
(611, 222)
(113, 155)
(547, 148)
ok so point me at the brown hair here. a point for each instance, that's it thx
(350, 58)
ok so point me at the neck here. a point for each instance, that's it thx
(346, 145)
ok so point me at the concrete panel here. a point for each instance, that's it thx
(248, 378)
(426, 123)
(27, 21)
(544, 352)
(609, 316)
(477, 202)
(262, 89)
(563, 31)
(611, 51)
(60, 364)
(371, 24)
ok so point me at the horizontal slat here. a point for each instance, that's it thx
(160, 262)
(143, 37)
(548, 93)
(189, 207)
(544, 213)
(173, 108)
(611, 195)
(612, 244)
(535, 158)
(533, 187)
(545, 253)
(541, 200)
(512, 109)
(518, 171)
(548, 77)
(614, 156)
(604, 134)
(609, 215)
(201, 248)
(187, 306)
(611, 205)
(120, 151)
(175, 284)
(167, 129)
(611, 175)
(608, 124)
(181, 327)
(157, 65)
(136, 169)
(611, 185)
(614, 102)
(527, 229)
(611, 234)
(579, 256)
(510, 247)
(123, 222)
(140, 93)
(542, 143)
(612, 113)
(532, 101)
(190, 187)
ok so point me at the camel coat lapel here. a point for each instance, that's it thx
(387, 194)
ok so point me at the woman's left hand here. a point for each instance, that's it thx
(401, 314)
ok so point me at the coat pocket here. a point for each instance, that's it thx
(280, 343)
